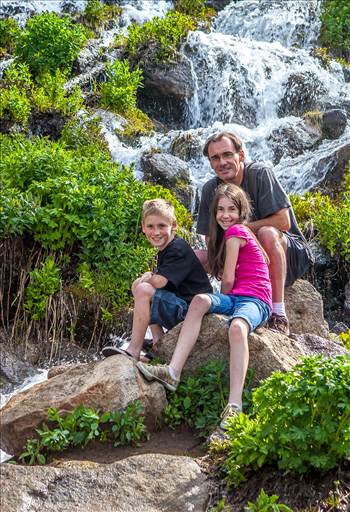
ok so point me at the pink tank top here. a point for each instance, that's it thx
(252, 273)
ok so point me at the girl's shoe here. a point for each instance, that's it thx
(160, 373)
(230, 411)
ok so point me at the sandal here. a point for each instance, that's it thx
(111, 350)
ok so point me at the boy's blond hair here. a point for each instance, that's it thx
(159, 207)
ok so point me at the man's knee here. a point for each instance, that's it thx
(271, 238)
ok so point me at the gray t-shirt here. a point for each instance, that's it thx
(264, 190)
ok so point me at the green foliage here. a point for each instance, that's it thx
(199, 400)
(9, 31)
(43, 283)
(331, 218)
(83, 135)
(75, 202)
(119, 90)
(345, 338)
(50, 42)
(335, 30)
(50, 94)
(301, 420)
(163, 34)
(195, 8)
(266, 503)
(14, 105)
(82, 425)
(97, 15)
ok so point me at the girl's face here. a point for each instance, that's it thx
(227, 213)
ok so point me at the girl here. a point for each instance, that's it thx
(237, 259)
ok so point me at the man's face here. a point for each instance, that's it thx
(158, 230)
(226, 161)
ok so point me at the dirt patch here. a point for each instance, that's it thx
(181, 441)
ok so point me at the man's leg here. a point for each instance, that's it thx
(275, 245)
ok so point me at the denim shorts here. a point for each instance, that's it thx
(167, 309)
(254, 311)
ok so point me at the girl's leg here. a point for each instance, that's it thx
(239, 358)
(199, 306)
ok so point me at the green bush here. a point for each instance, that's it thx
(119, 90)
(199, 400)
(43, 283)
(82, 425)
(74, 201)
(335, 30)
(266, 503)
(14, 105)
(164, 35)
(195, 8)
(9, 31)
(50, 94)
(97, 15)
(300, 420)
(49, 43)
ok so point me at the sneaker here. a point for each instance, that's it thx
(160, 373)
(229, 412)
(278, 323)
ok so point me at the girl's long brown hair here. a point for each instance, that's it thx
(216, 245)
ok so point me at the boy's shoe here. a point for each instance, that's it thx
(229, 412)
(160, 373)
(278, 323)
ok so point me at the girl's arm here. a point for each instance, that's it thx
(233, 245)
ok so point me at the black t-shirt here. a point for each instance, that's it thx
(264, 190)
(186, 275)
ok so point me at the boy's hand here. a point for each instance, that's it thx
(146, 277)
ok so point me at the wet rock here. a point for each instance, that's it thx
(47, 124)
(336, 162)
(142, 483)
(291, 141)
(187, 146)
(70, 6)
(169, 171)
(269, 351)
(333, 123)
(302, 93)
(107, 385)
(89, 57)
(13, 370)
(304, 308)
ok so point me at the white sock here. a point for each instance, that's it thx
(279, 308)
(172, 373)
(239, 407)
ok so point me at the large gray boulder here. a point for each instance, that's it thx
(13, 370)
(107, 385)
(334, 123)
(302, 93)
(143, 483)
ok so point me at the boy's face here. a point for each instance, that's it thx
(159, 230)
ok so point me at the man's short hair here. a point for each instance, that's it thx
(159, 207)
(220, 135)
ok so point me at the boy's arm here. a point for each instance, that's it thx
(156, 280)
(228, 276)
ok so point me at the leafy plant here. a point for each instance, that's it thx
(345, 338)
(335, 30)
(14, 105)
(164, 35)
(119, 90)
(266, 503)
(9, 31)
(199, 400)
(300, 420)
(83, 425)
(43, 284)
(195, 8)
(97, 15)
(49, 43)
(50, 94)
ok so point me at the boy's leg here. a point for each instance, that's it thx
(199, 306)
(143, 294)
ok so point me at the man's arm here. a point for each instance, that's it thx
(279, 220)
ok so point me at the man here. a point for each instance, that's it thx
(273, 220)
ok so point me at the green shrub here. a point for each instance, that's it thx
(75, 202)
(163, 34)
(266, 503)
(50, 94)
(49, 43)
(9, 31)
(43, 283)
(119, 90)
(300, 420)
(97, 15)
(345, 338)
(82, 425)
(84, 135)
(199, 400)
(335, 30)
(14, 105)
(195, 8)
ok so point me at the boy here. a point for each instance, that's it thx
(161, 298)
